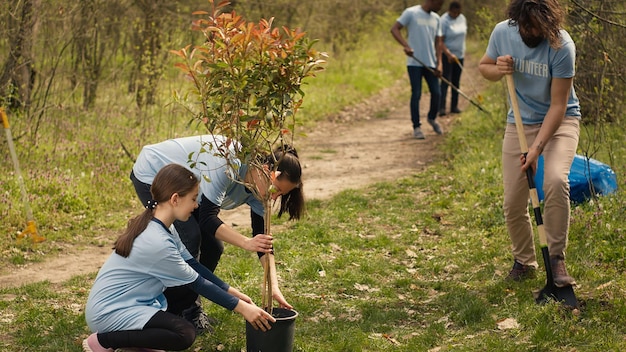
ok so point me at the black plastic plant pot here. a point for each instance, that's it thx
(279, 338)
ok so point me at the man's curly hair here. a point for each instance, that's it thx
(548, 15)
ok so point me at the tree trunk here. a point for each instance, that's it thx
(269, 265)
(149, 59)
(18, 74)
(89, 50)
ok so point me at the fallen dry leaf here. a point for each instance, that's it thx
(361, 287)
(391, 339)
(507, 324)
(605, 285)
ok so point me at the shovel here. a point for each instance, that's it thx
(31, 228)
(550, 291)
(453, 86)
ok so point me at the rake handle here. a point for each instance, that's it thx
(16, 163)
(451, 86)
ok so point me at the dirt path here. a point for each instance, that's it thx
(369, 142)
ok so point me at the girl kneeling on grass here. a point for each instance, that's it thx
(126, 305)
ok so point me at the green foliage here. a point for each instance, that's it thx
(595, 27)
(485, 21)
(247, 80)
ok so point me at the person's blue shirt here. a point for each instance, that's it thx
(422, 29)
(128, 291)
(454, 31)
(218, 181)
(534, 70)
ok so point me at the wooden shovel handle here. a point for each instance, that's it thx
(518, 117)
(534, 197)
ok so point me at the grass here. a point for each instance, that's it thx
(411, 265)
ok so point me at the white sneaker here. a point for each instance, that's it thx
(417, 133)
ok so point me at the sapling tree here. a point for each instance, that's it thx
(246, 86)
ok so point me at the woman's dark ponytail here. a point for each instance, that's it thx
(289, 167)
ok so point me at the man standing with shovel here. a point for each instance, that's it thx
(532, 47)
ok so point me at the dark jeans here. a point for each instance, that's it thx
(415, 77)
(163, 331)
(451, 72)
(209, 250)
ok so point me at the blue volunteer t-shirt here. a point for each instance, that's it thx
(422, 28)
(534, 70)
(454, 32)
(217, 179)
(128, 291)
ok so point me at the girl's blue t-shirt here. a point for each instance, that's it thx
(534, 70)
(128, 291)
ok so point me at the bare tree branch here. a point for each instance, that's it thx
(598, 16)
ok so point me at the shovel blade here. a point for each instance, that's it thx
(563, 295)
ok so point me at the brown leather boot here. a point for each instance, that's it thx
(559, 273)
(521, 272)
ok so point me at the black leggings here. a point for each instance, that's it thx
(163, 331)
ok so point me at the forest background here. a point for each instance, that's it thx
(87, 83)
(69, 68)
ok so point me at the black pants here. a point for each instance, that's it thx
(451, 72)
(416, 73)
(209, 251)
(163, 331)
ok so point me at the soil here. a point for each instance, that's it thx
(366, 143)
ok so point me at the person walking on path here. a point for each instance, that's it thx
(126, 304)
(533, 47)
(220, 188)
(454, 29)
(424, 42)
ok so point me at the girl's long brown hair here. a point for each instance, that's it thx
(172, 178)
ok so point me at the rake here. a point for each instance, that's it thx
(30, 231)
(476, 104)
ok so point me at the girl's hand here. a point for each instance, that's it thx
(257, 317)
(278, 296)
(260, 243)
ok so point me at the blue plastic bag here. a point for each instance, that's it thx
(583, 171)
